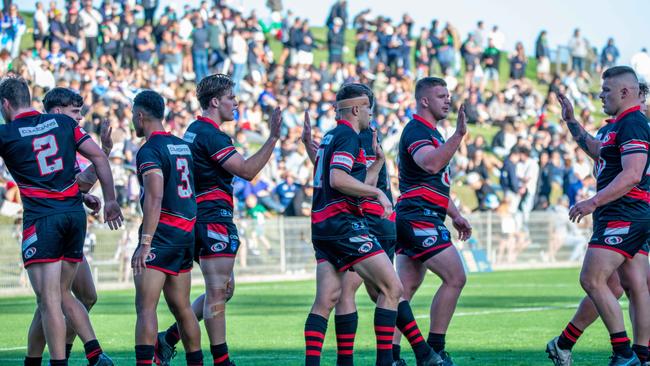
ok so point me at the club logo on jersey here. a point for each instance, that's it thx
(189, 137)
(225, 213)
(30, 252)
(617, 228)
(429, 241)
(38, 129)
(608, 139)
(599, 166)
(358, 226)
(429, 212)
(327, 140)
(446, 177)
(150, 257)
(613, 240)
(365, 248)
(218, 247)
(179, 149)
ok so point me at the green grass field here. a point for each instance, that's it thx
(504, 318)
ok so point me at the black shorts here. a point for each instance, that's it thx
(53, 238)
(171, 260)
(216, 240)
(389, 246)
(624, 237)
(344, 253)
(422, 240)
(645, 249)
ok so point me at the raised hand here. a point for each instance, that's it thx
(568, 114)
(376, 147)
(276, 123)
(306, 131)
(105, 132)
(461, 122)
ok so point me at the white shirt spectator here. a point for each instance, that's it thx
(90, 21)
(498, 38)
(578, 46)
(641, 64)
(41, 22)
(238, 49)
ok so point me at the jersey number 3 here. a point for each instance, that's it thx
(184, 189)
(46, 147)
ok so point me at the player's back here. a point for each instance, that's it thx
(40, 153)
(173, 157)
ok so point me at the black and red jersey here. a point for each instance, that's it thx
(372, 209)
(422, 194)
(336, 215)
(40, 153)
(628, 134)
(173, 157)
(211, 148)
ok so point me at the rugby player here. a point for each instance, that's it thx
(216, 163)
(164, 256)
(65, 101)
(616, 260)
(423, 240)
(40, 153)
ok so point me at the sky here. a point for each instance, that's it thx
(627, 21)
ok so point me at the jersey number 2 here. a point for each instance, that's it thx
(184, 189)
(46, 147)
(318, 169)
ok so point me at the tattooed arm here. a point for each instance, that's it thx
(588, 143)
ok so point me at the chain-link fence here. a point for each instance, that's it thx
(280, 248)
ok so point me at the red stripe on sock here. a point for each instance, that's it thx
(312, 353)
(314, 344)
(620, 340)
(345, 344)
(313, 333)
(385, 346)
(416, 340)
(221, 359)
(410, 325)
(94, 353)
(346, 336)
(384, 329)
(144, 362)
(414, 333)
(574, 329)
(345, 352)
(384, 337)
(569, 336)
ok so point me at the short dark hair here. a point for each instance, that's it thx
(618, 71)
(213, 86)
(644, 90)
(16, 91)
(61, 97)
(151, 102)
(354, 90)
(426, 83)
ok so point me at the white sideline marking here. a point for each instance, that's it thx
(508, 311)
(12, 349)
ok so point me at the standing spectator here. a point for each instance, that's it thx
(238, 56)
(170, 56)
(491, 58)
(480, 35)
(609, 55)
(543, 54)
(287, 189)
(110, 39)
(338, 10)
(149, 7)
(641, 64)
(200, 50)
(41, 23)
(336, 41)
(90, 21)
(518, 63)
(471, 52)
(13, 28)
(73, 27)
(306, 46)
(59, 33)
(579, 49)
(144, 47)
(498, 37)
(129, 35)
(217, 41)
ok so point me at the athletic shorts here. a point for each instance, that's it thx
(171, 260)
(624, 237)
(422, 240)
(389, 246)
(53, 238)
(345, 253)
(216, 240)
(645, 249)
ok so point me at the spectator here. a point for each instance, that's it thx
(338, 10)
(609, 55)
(578, 48)
(90, 21)
(149, 7)
(491, 58)
(336, 41)
(640, 62)
(200, 49)
(144, 47)
(518, 63)
(41, 23)
(543, 55)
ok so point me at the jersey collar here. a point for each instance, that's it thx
(623, 114)
(27, 114)
(208, 120)
(419, 118)
(344, 122)
(160, 133)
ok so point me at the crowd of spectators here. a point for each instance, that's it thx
(518, 159)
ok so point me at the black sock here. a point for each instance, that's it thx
(68, 350)
(384, 330)
(93, 350)
(569, 336)
(194, 358)
(397, 349)
(346, 329)
(220, 354)
(621, 344)
(315, 328)
(641, 352)
(144, 355)
(436, 341)
(408, 326)
(33, 361)
(172, 335)
(58, 362)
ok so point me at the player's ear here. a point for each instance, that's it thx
(214, 102)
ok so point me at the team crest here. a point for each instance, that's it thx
(218, 247)
(613, 240)
(365, 248)
(150, 257)
(30, 252)
(430, 241)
